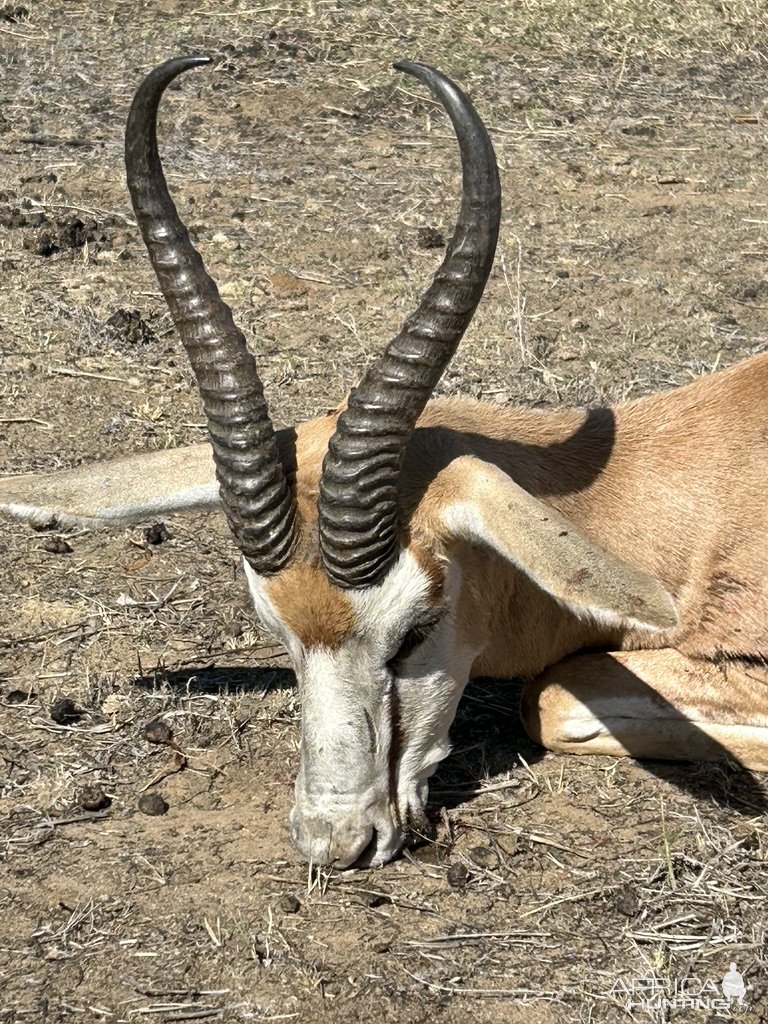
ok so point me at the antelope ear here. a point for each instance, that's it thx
(122, 490)
(482, 505)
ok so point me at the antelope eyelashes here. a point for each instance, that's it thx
(414, 638)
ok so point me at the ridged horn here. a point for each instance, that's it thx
(254, 490)
(358, 488)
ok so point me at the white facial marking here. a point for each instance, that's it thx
(348, 790)
(429, 685)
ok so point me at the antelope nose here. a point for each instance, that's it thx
(323, 842)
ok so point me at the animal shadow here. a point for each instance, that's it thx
(488, 738)
(217, 679)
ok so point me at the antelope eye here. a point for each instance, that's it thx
(415, 636)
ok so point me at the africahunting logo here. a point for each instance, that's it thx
(654, 994)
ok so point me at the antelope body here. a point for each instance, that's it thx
(614, 558)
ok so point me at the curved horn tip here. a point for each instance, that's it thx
(424, 72)
(409, 66)
(183, 63)
(165, 73)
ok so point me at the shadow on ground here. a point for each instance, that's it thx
(488, 738)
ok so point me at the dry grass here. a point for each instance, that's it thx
(632, 145)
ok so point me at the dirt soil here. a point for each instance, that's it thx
(321, 186)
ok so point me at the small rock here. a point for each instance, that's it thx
(231, 289)
(233, 628)
(226, 243)
(457, 876)
(289, 904)
(43, 525)
(157, 731)
(430, 238)
(115, 703)
(93, 798)
(152, 804)
(65, 711)
(579, 325)
(56, 546)
(158, 533)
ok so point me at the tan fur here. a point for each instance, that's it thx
(672, 483)
(319, 614)
(479, 501)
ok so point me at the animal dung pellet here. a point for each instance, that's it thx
(457, 876)
(158, 533)
(152, 804)
(375, 899)
(56, 546)
(93, 798)
(289, 904)
(19, 696)
(483, 856)
(157, 731)
(627, 902)
(65, 712)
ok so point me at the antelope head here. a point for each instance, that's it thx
(364, 609)
(348, 544)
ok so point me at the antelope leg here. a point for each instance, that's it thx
(651, 704)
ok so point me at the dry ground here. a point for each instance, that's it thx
(631, 138)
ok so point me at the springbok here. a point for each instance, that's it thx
(614, 558)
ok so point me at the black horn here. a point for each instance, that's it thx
(358, 502)
(254, 490)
